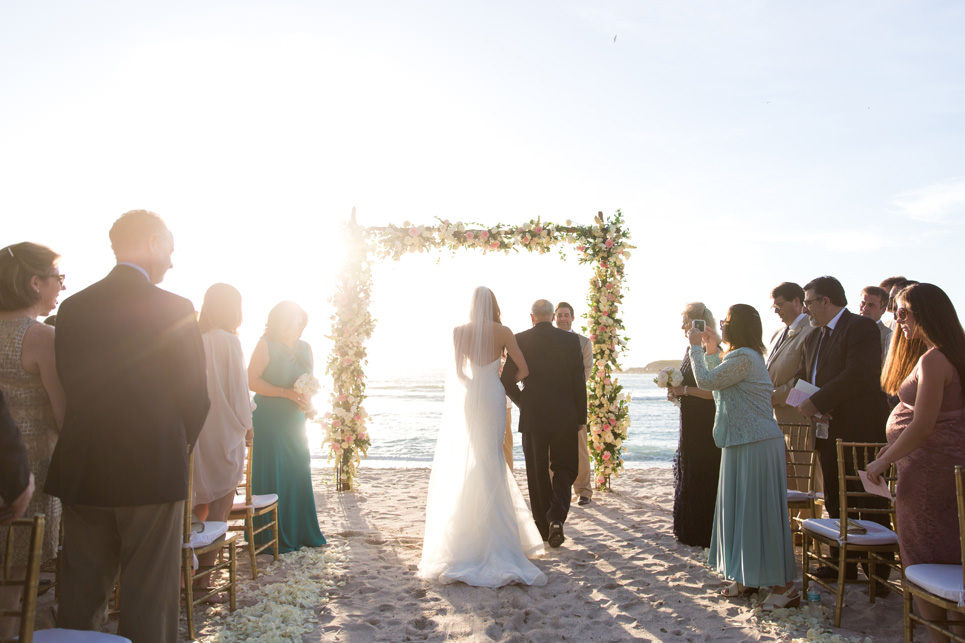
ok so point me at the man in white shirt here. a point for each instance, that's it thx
(874, 302)
(787, 348)
(583, 485)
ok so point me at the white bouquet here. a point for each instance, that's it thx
(306, 385)
(669, 377)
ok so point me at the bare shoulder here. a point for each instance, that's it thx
(39, 336)
(935, 361)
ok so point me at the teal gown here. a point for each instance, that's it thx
(281, 463)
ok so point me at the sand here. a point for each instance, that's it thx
(620, 575)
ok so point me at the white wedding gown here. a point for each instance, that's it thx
(478, 530)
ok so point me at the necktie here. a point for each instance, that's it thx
(823, 342)
(778, 345)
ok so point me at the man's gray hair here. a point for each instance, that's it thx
(542, 308)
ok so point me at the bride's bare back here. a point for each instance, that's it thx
(495, 340)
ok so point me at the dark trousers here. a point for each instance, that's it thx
(550, 499)
(144, 544)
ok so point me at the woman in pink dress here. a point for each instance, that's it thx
(926, 430)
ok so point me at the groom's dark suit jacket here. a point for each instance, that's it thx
(131, 361)
(553, 398)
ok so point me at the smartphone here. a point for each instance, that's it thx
(700, 325)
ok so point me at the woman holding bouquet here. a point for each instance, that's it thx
(281, 462)
(697, 462)
(219, 455)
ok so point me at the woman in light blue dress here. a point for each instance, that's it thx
(751, 541)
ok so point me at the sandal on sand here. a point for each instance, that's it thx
(775, 600)
(735, 589)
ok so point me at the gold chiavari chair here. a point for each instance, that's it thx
(246, 508)
(30, 584)
(853, 538)
(213, 536)
(940, 585)
(802, 462)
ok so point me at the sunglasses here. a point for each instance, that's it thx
(902, 314)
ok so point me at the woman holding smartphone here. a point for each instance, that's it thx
(697, 462)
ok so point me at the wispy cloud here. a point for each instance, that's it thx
(938, 203)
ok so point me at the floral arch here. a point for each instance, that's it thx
(604, 245)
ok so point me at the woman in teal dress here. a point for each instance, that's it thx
(751, 540)
(281, 461)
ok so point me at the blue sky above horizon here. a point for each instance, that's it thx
(747, 143)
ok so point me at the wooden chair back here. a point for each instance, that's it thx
(853, 500)
(802, 459)
(31, 579)
(244, 485)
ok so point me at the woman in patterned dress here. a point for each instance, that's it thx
(30, 283)
(926, 430)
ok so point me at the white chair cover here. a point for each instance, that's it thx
(828, 527)
(940, 580)
(58, 635)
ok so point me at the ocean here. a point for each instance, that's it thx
(404, 416)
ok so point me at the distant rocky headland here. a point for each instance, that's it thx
(653, 367)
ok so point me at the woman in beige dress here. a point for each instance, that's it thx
(219, 455)
(30, 284)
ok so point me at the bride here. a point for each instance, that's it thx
(478, 528)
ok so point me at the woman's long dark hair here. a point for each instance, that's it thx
(743, 328)
(938, 323)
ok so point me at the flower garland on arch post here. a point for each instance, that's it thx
(605, 245)
(352, 324)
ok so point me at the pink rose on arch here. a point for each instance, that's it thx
(470, 236)
(581, 248)
(494, 245)
(349, 438)
(539, 229)
(484, 234)
(606, 456)
(341, 398)
(600, 480)
(336, 423)
(609, 243)
(414, 232)
(336, 447)
(603, 264)
(357, 418)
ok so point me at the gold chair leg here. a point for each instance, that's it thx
(250, 534)
(805, 561)
(232, 568)
(277, 531)
(906, 616)
(839, 590)
(188, 575)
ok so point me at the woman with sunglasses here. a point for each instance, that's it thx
(751, 540)
(926, 430)
(30, 284)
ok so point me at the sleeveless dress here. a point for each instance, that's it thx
(281, 462)
(31, 410)
(925, 504)
(696, 467)
(478, 529)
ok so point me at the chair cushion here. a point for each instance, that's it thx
(58, 635)
(211, 532)
(799, 496)
(940, 580)
(257, 502)
(828, 527)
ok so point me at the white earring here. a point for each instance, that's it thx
(36, 290)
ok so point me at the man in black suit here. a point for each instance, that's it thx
(16, 481)
(843, 358)
(552, 407)
(132, 364)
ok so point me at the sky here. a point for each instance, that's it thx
(746, 143)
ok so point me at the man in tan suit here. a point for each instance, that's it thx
(787, 349)
(583, 485)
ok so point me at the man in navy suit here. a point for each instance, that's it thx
(132, 364)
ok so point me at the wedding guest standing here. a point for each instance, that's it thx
(16, 481)
(131, 361)
(751, 542)
(281, 463)
(30, 284)
(926, 431)
(787, 349)
(874, 302)
(697, 463)
(219, 455)
(583, 485)
(843, 359)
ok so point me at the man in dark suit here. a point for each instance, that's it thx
(16, 481)
(132, 364)
(843, 358)
(552, 407)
